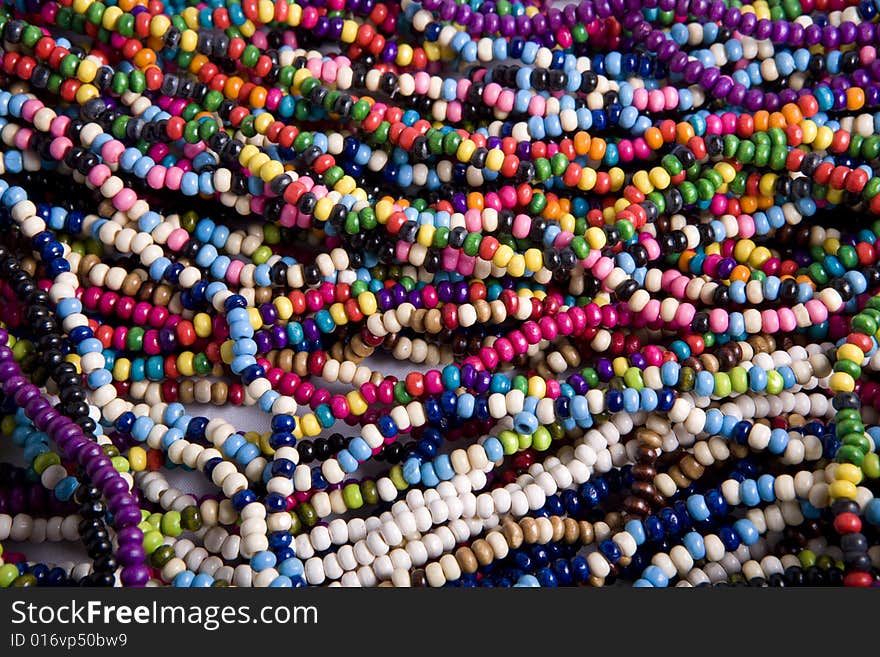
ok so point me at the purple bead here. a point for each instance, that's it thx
(678, 62)
(861, 78)
(654, 40)
(384, 299)
(693, 71)
(268, 313)
(569, 15)
(103, 475)
(722, 87)
(44, 417)
(116, 486)
(764, 29)
(130, 555)
(667, 50)
(447, 11)
(788, 96)
(310, 329)
(830, 36)
(638, 361)
(866, 34)
(468, 376)
(709, 78)
(737, 94)
(604, 369)
(279, 337)
(813, 35)
(135, 576)
(415, 298)
(459, 202)
(586, 13)
(641, 32)
(554, 18)
(699, 7)
(539, 24)
(483, 381)
(389, 54)
(666, 5)
(578, 383)
(523, 25)
(795, 34)
(732, 17)
(128, 516)
(130, 535)
(4, 337)
(506, 24)
(780, 31)
(872, 95)
(16, 500)
(444, 291)
(97, 464)
(264, 344)
(754, 100)
(25, 394)
(847, 32)
(13, 381)
(682, 7)
(476, 27)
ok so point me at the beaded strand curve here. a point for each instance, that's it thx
(633, 342)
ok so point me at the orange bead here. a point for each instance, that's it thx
(654, 138)
(597, 149)
(740, 273)
(144, 58)
(777, 120)
(749, 204)
(475, 200)
(684, 132)
(855, 98)
(232, 87)
(762, 120)
(792, 114)
(258, 97)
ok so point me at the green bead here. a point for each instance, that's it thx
(672, 164)
(705, 190)
(775, 382)
(69, 64)
(333, 175)
(863, 323)
(525, 441)
(850, 454)
(722, 385)
(171, 524)
(626, 229)
(8, 573)
(848, 256)
(381, 133)
(120, 464)
(360, 110)
(849, 426)
(118, 127)
(762, 154)
(45, 460)
(633, 378)
(94, 14)
(307, 514)
(848, 367)
(135, 338)
(807, 558)
(778, 157)
(32, 34)
(537, 204)
(871, 147)
(161, 556)
(520, 383)
(739, 379)
(352, 496)
(201, 364)
(686, 379)
(558, 164)
(285, 76)
(591, 376)
(152, 541)
(247, 126)
(541, 439)
(25, 581)
(777, 137)
(370, 491)
(579, 33)
(745, 151)
(871, 465)
(303, 141)
(295, 524)
(401, 396)
(441, 237)
(191, 519)
(542, 169)
(250, 55)
(207, 129)
(271, 234)
(471, 244)
(729, 145)
(689, 192)
(580, 247)
(858, 440)
(509, 442)
(557, 431)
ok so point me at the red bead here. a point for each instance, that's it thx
(847, 523)
(858, 579)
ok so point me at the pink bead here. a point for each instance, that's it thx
(554, 389)
(233, 272)
(124, 200)
(718, 320)
(22, 137)
(593, 314)
(651, 311)
(603, 268)
(746, 226)
(99, 175)
(386, 391)
(718, 205)
(59, 125)
(423, 82)
(473, 221)
(112, 151)
(537, 106)
(492, 201)
(641, 149)
(670, 95)
(491, 92)
(640, 98)
(713, 125)
(522, 224)
(489, 357)
(679, 286)
(434, 380)
(518, 342)
(787, 319)
(140, 313)
(466, 264)
(504, 349)
(685, 315)
(506, 101)
(818, 311)
(29, 108)
(177, 239)
(370, 392)
(609, 316)
(401, 251)
(626, 151)
(564, 323)
(656, 101)
(156, 177)
(769, 321)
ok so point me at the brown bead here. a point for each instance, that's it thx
(558, 528)
(636, 506)
(483, 551)
(646, 455)
(643, 472)
(614, 520)
(596, 581)
(131, 284)
(513, 533)
(301, 363)
(418, 578)
(219, 393)
(691, 468)
(418, 320)
(484, 312)
(187, 391)
(680, 480)
(146, 291)
(571, 531)
(643, 489)
(649, 438)
(693, 363)
(530, 530)
(587, 534)
(87, 263)
(467, 560)
(710, 363)
(433, 321)
(263, 295)
(738, 451)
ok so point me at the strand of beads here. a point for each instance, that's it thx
(528, 295)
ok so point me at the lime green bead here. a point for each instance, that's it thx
(739, 379)
(509, 442)
(541, 439)
(171, 524)
(871, 465)
(807, 558)
(775, 383)
(261, 255)
(352, 496)
(152, 541)
(8, 573)
(525, 441)
(722, 384)
(120, 464)
(633, 378)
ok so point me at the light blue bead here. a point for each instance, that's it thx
(292, 567)
(656, 576)
(696, 506)
(637, 530)
(429, 477)
(748, 492)
(202, 581)
(494, 450)
(525, 423)
(411, 471)
(183, 579)
(346, 461)
(746, 531)
(695, 545)
(765, 488)
(281, 582)
(360, 449)
(263, 560)
(443, 467)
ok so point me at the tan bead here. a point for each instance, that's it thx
(587, 533)
(483, 551)
(467, 560)
(572, 532)
(530, 530)
(558, 528)
(513, 533)
(691, 468)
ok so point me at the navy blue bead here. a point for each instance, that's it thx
(242, 498)
(571, 502)
(716, 503)
(283, 423)
(741, 432)
(540, 556)
(195, 430)
(614, 401)
(546, 577)
(80, 333)
(665, 399)
(610, 550)
(729, 537)
(588, 494)
(670, 522)
(554, 505)
(125, 422)
(211, 464)
(278, 540)
(252, 372)
(654, 528)
(275, 502)
(601, 484)
(277, 440)
(283, 468)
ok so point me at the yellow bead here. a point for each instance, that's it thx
(659, 177)
(834, 196)
(248, 29)
(595, 237)
(80, 6)
(587, 180)
(356, 402)
(202, 325)
(743, 250)
(255, 318)
(726, 171)
(7, 425)
(345, 185)
(849, 472)
(617, 177)
(502, 256)
(310, 425)
(842, 489)
(432, 51)
(759, 256)
(824, 137)
(767, 184)
(121, 369)
(263, 121)
(265, 11)
(517, 266)
(257, 161)
(294, 16)
(271, 170)
(384, 209)
(809, 128)
(404, 54)
(323, 208)
(159, 25)
(189, 40)
(185, 363)
(537, 387)
(465, 150)
(190, 16)
(831, 245)
(851, 353)
(137, 458)
(337, 313)
(534, 259)
(567, 222)
(349, 31)
(247, 153)
(74, 360)
(841, 382)
(642, 182)
(620, 365)
(265, 447)
(226, 354)
(494, 159)
(299, 77)
(425, 236)
(86, 93)
(111, 15)
(367, 303)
